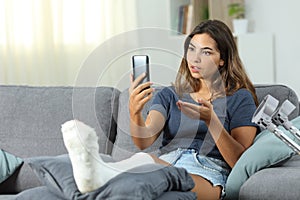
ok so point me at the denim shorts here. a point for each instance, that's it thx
(214, 170)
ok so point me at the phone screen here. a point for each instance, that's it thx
(140, 64)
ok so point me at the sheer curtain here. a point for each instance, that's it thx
(44, 42)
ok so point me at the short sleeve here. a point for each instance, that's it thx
(163, 100)
(242, 110)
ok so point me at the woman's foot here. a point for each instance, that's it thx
(81, 142)
(89, 170)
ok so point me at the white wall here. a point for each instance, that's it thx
(166, 48)
(282, 19)
(277, 17)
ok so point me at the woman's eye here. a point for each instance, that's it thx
(207, 53)
(191, 48)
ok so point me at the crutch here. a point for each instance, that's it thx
(263, 117)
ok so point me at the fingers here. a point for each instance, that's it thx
(137, 100)
(131, 78)
(135, 84)
(142, 91)
(194, 111)
(139, 94)
(147, 96)
(188, 105)
(179, 103)
(190, 110)
(204, 103)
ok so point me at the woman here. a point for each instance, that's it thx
(211, 77)
(205, 116)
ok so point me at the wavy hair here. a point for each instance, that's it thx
(230, 77)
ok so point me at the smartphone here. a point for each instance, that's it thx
(140, 65)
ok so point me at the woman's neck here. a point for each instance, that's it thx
(205, 92)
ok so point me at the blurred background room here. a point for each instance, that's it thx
(90, 42)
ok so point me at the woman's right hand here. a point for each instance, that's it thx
(139, 94)
(143, 131)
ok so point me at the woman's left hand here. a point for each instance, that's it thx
(194, 111)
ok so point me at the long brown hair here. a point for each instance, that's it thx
(231, 76)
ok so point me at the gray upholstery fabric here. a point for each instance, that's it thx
(293, 162)
(31, 119)
(272, 183)
(8, 197)
(37, 193)
(279, 182)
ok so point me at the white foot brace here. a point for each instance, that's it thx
(89, 170)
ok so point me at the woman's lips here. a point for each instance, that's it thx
(195, 69)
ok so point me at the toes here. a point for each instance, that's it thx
(77, 134)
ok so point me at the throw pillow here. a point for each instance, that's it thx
(8, 164)
(266, 151)
(56, 173)
(37, 193)
(144, 182)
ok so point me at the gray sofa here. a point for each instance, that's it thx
(31, 118)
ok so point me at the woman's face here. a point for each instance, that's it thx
(203, 57)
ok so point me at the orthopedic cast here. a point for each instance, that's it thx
(89, 170)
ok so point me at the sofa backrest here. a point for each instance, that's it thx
(124, 146)
(31, 117)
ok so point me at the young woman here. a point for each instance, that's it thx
(217, 100)
(205, 117)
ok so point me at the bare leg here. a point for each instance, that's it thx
(89, 170)
(203, 188)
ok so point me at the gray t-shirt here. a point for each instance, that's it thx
(181, 131)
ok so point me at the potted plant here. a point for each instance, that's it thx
(237, 12)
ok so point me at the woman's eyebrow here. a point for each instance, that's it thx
(192, 44)
(203, 48)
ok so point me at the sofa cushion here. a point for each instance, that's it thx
(9, 163)
(272, 183)
(266, 151)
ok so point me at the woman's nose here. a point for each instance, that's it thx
(197, 57)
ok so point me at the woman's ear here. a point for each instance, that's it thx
(221, 63)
